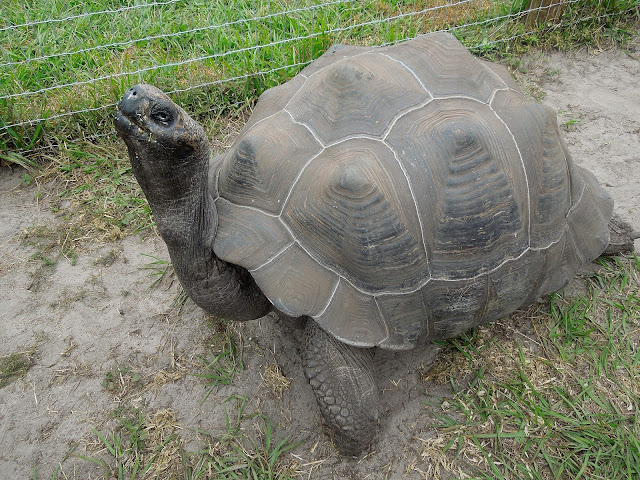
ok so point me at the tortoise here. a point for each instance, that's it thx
(386, 195)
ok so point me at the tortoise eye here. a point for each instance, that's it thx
(161, 116)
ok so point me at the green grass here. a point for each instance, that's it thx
(14, 366)
(132, 448)
(223, 362)
(101, 184)
(150, 446)
(92, 188)
(240, 455)
(565, 406)
(86, 63)
(158, 269)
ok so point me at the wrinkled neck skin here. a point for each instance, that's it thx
(186, 218)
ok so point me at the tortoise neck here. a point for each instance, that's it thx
(185, 221)
(188, 224)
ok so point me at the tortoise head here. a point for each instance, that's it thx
(167, 148)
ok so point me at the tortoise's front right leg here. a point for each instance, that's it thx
(342, 380)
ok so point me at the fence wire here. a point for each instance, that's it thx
(62, 71)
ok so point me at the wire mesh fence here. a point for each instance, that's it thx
(61, 72)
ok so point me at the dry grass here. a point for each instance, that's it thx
(162, 445)
(275, 380)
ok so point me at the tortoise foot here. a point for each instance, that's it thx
(341, 377)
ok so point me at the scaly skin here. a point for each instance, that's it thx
(170, 154)
(621, 237)
(341, 377)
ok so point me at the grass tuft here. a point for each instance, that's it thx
(92, 190)
(14, 366)
(150, 446)
(223, 363)
(158, 269)
(139, 447)
(100, 185)
(239, 455)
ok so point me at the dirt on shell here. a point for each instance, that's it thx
(95, 337)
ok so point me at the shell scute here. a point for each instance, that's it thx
(332, 55)
(446, 68)
(535, 129)
(248, 236)
(352, 207)
(456, 306)
(273, 101)
(407, 318)
(472, 193)
(590, 213)
(502, 73)
(365, 326)
(294, 283)
(261, 167)
(359, 95)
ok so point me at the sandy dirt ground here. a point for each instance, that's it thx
(95, 319)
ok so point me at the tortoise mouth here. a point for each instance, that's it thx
(127, 126)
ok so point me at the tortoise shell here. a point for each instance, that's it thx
(404, 192)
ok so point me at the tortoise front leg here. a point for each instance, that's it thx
(342, 379)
